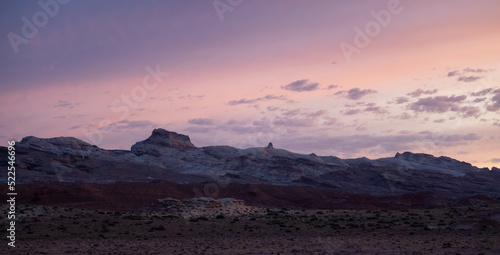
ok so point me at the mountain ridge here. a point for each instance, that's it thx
(167, 155)
(161, 138)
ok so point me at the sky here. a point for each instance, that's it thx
(342, 78)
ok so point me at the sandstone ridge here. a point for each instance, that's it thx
(167, 155)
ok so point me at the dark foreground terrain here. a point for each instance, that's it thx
(61, 230)
(132, 196)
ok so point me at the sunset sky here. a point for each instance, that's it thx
(342, 78)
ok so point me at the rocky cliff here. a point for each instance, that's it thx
(161, 140)
(171, 156)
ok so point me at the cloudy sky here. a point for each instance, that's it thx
(343, 78)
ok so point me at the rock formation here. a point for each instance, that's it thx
(161, 139)
(198, 206)
(171, 156)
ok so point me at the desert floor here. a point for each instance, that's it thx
(58, 230)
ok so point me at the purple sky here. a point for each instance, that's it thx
(343, 78)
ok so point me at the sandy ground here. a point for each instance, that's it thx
(55, 230)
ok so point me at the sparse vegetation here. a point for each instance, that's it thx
(320, 231)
